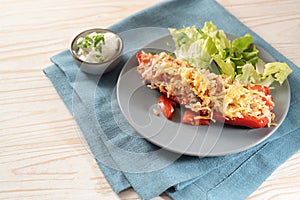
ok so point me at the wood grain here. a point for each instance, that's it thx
(42, 152)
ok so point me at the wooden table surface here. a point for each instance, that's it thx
(42, 153)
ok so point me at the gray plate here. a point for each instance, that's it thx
(138, 101)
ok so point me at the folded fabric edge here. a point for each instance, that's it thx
(241, 158)
(231, 185)
(54, 73)
(267, 160)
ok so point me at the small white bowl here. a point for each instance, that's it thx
(101, 67)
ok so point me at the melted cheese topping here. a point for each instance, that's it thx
(240, 101)
(202, 91)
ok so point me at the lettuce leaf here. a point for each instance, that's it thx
(249, 74)
(242, 43)
(238, 58)
(279, 71)
(198, 45)
(243, 51)
(224, 66)
(274, 71)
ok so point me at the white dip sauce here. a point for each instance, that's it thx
(109, 48)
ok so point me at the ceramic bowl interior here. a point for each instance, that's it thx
(101, 67)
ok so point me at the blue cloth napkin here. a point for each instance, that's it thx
(128, 160)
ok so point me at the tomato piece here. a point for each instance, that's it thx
(143, 59)
(138, 57)
(166, 106)
(247, 121)
(189, 117)
(261, 88)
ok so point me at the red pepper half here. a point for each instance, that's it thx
(247, 121)
(190, 117)
(166, 106)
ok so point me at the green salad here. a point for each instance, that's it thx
(238, 58)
